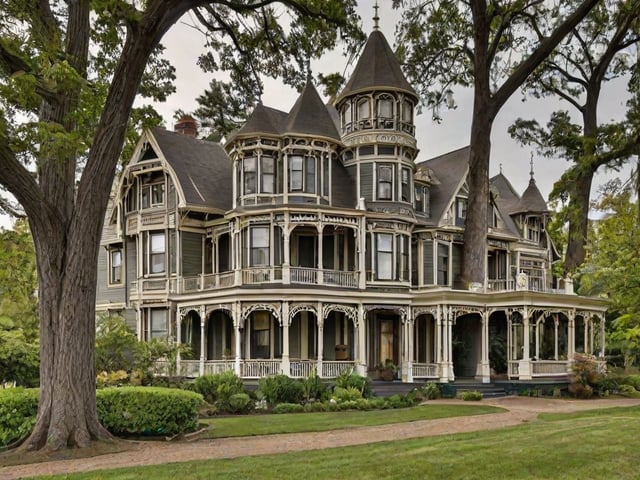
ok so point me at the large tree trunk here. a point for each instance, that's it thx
(66, 230)
(578, 207)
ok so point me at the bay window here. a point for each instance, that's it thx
(385, 182)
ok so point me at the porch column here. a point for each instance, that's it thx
(602, 335)
(410, 345)
(556, 322)
(201, 312)
(537, 330)
(361, 235)
(286, 240)
(438, 336)
(586, 333)
(285, 365)
(362, 344)
(571, 347)
(237, 323)
(484, 370)
(237, 256)
(320, 278)
(524, 366)
(320, 322)
(179, 319)
(448, 344)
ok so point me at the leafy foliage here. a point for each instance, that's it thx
(349, 378)
(585, 376)
(218, 389)
(18, 408)
(148, 410)
(280, 389)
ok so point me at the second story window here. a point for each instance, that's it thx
(250, 175)
(461, 210)
(115, 266)
(384, 256)
(155, 246)
(259, 246)
(152, 195)
(302, 174)
(385, 182)
(268, 176)
(421, 200)
(406, 185)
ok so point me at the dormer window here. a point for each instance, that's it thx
(461, 211)
(533, 228)
(421, 199)
(152, 195)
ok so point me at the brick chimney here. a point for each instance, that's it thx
(187, 125)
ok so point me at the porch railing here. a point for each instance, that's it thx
(302, 368)
(189, 368)
(331, 369)
(514, 368)
(548, 368)
(255, 276)
(424, 370)
(260, 368)
(340, 278)
(218, 366)
(304, 275)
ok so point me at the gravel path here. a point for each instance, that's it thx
(519, 409)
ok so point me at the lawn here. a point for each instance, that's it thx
(595, 444)
(242, 426)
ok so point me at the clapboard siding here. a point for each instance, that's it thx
(366, 181)
(106, 293)
(427, 262)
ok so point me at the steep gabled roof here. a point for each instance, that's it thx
(531, 200)
(451, 170)
(309, 116)
(202, 168)
(377, 68)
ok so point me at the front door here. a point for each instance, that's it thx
(386, 341)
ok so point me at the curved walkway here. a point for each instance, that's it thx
(518, 410)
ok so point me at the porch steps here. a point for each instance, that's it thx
(386, 389)
(488, 390)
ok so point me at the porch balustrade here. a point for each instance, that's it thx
(260, 368)
(212, 367)
(304, 275)
(331, 369)
(548, 368)
(424, 370)
(189, 368)
(254, 276)
(514, 368)
(302, 368)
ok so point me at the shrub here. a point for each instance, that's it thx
(348, 378)
(346, 394)
(148, 410)
(112, 379)
(316, 407)
(430, 391)
(396, 401)
(313, 388)
(18, 409)
(633, 380)
(280, 389)
(217, 389)
(584, 376)
(288, 408)
(239, 403)
(471, 396)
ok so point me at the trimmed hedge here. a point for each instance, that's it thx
(18, 409)
(148, 410)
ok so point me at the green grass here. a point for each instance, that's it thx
(243, 426)
(589, 445)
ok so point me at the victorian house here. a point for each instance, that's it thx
(315, 239)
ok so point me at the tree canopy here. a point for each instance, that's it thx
(492, 47)
(69, 74)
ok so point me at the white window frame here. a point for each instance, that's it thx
(386, 241)
(152, 195)
(115, 266)
(158, 315)
(386, 182)
(157, 249)
(259, 246)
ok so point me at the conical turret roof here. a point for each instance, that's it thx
(378, 68)
(309, 116)
(263, 120)
(531, 201)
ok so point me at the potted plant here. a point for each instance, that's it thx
(387, 370)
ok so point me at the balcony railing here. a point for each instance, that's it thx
(302, 368)
(548, 368)
(260, 368)
(331, 369)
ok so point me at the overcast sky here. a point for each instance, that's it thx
(184, 45)
(433, 138)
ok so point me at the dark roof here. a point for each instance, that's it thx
(377, 68)
(203, 169)
(263, 120)
(310, 116)
(531, 200)
(450, 169)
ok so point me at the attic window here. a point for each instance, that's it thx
(152, 195)
(533, 229)
(148, 153)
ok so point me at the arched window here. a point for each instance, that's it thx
(384, 111)
(407, 111)
(346, 117)
(364, 113)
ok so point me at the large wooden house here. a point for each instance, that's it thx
(314, 239)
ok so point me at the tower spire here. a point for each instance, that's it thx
(376, 18)
(531, 172)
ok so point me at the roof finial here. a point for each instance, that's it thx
(308, 66)
(500, 169)
(531, 172)
(376, 18)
